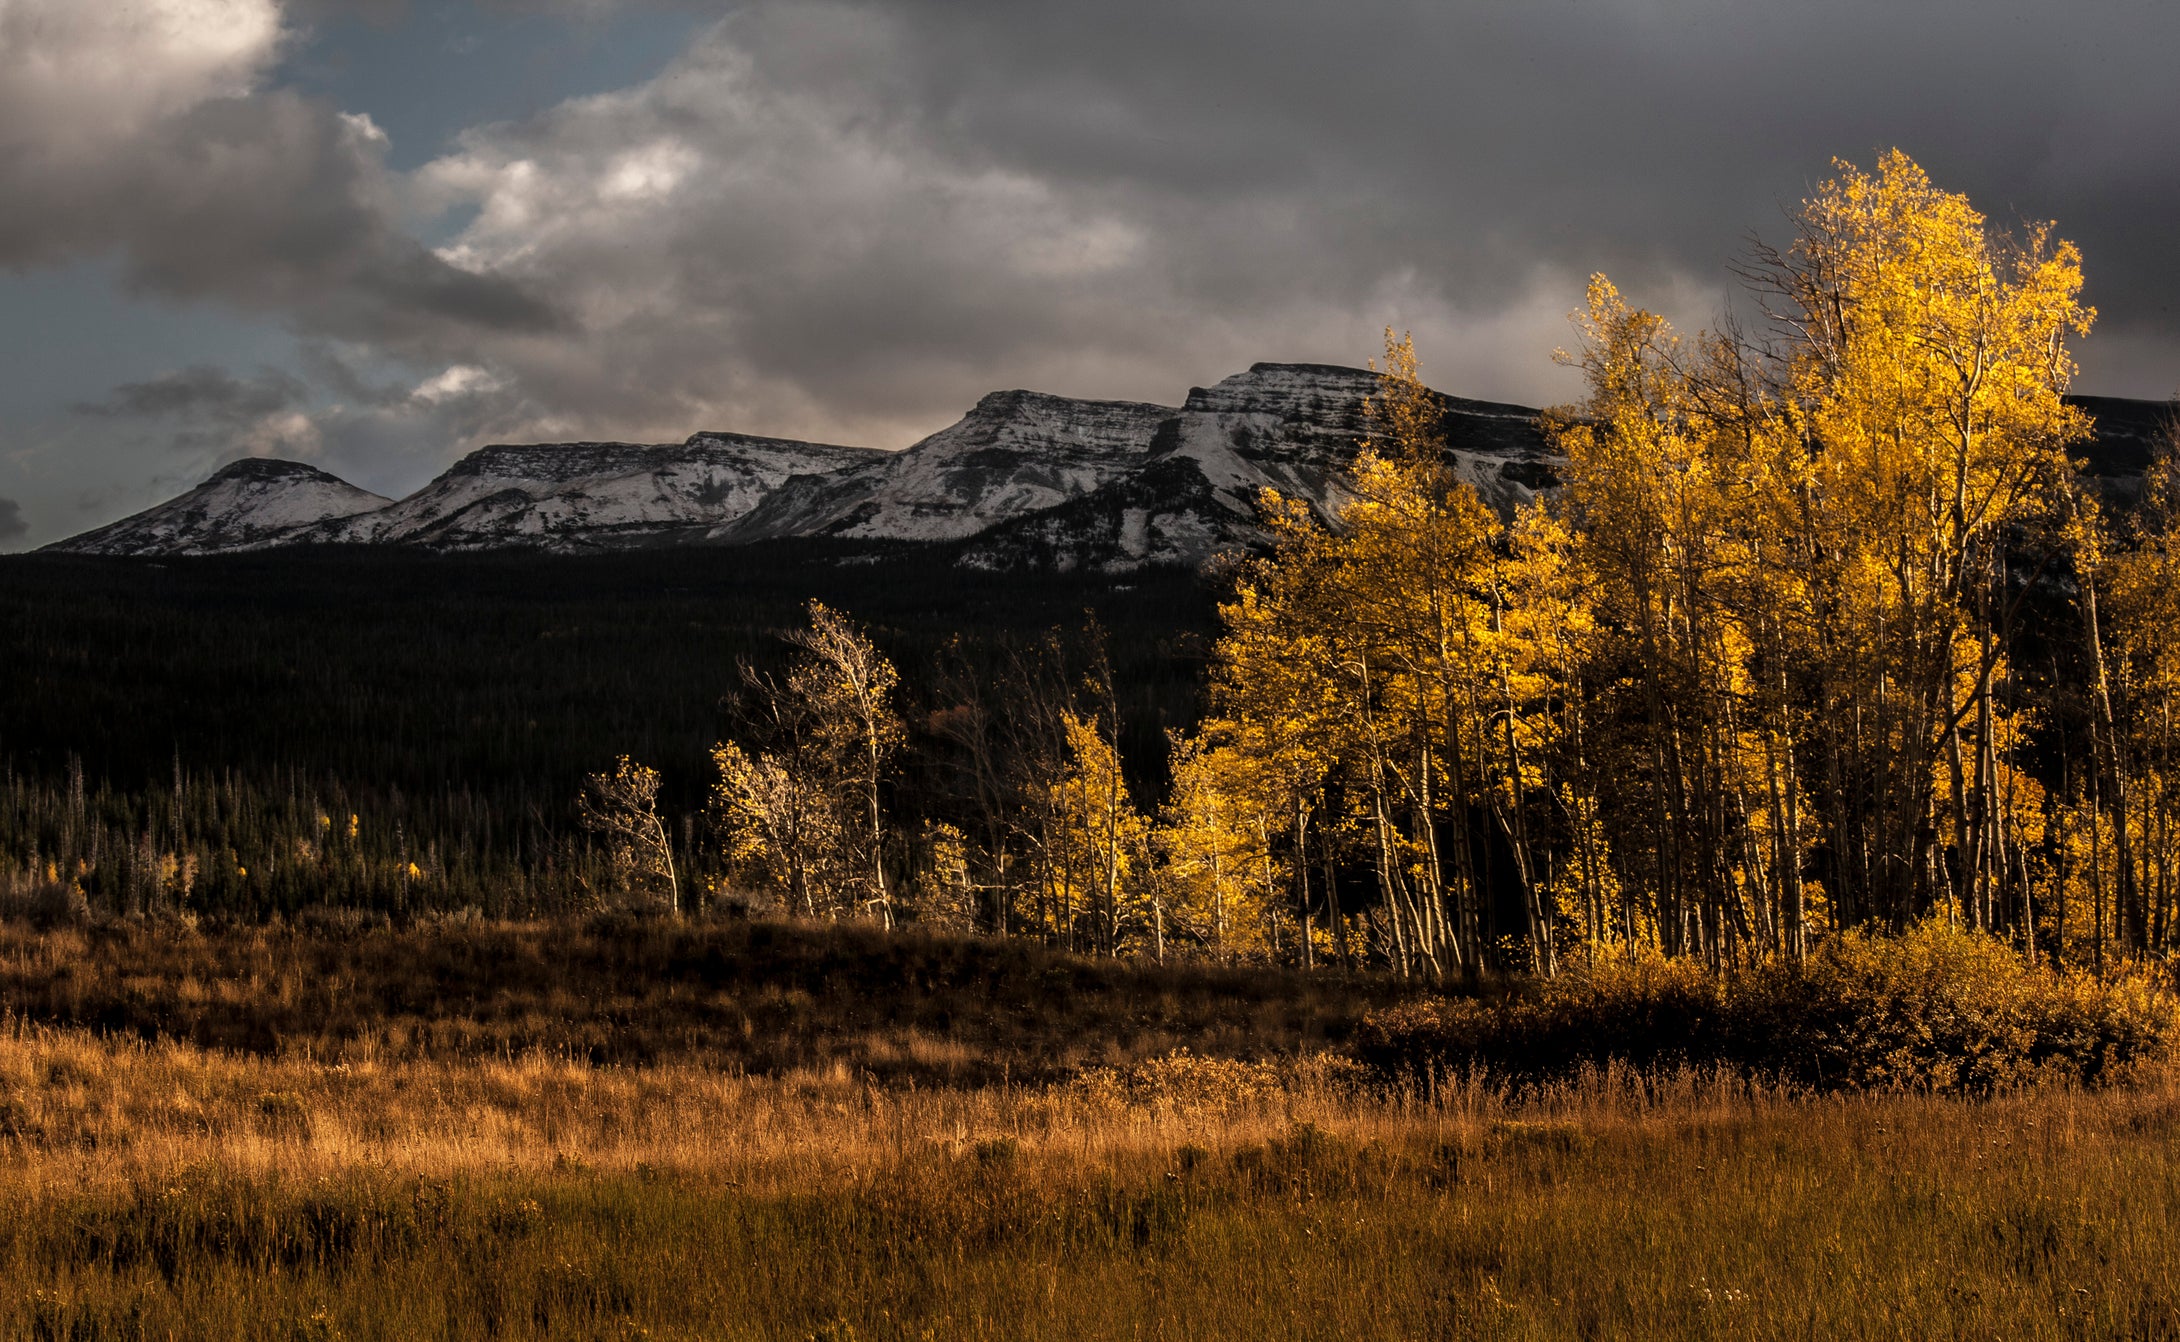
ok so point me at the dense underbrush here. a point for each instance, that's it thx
(1938, 1008)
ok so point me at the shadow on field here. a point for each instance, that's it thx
(760, 997)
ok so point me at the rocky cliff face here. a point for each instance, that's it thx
(1024, 480)
(1016, 453)
(1288, 427)
(244, 506)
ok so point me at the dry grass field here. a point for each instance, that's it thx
(157, 1189)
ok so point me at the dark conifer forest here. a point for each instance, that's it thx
(402, 731)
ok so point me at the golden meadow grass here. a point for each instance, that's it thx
(157, 1190)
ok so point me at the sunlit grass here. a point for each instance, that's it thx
(161, 1191)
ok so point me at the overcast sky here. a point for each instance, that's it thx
(373, 234)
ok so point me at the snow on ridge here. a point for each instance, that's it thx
(1283, 388)
(581, 495)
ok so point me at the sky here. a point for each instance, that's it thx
(375, 234)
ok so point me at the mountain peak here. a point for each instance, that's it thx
(269, 468)
(1024, 478)
(1282, 388)
(999, 404)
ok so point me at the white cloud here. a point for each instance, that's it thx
(650, 173)
(363, 130)
(78, 76)
(290, 434)
(144, 129)
(458, 381)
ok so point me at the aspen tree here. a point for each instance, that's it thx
(622, 805)
(1206, 845)
(1655, 516)
(1099, 832)
(1374, 652)
(1285, 718)
(805, 805)
(851, 687)
(1926, 365)
(780, 822)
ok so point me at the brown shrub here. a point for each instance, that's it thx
(1938, 1008)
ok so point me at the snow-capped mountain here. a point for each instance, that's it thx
(581, 496)
(1024, 480)
(246, 505)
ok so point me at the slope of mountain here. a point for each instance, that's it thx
(1016, 453)
(2127, 434)
(245, 505)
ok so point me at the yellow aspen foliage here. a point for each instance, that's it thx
(1099, 841)
(1750, 675)
(620, 805)
(781, 824)
(1208, 840)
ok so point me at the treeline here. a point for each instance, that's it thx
(835, 790)
(240, 846)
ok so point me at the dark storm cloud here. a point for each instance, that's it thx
(785, 231)
(845, 219)
(202, 395)
(1464, 137)
(830, 216)
(12, 526)
(268, 202)
(205, 414)
(1476, 138)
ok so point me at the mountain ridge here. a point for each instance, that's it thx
(1025, 479)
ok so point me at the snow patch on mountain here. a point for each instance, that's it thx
(1293, 428)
